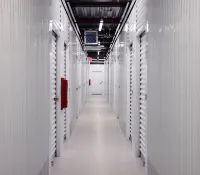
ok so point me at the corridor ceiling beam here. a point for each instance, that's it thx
(96, 20)
(97, 4)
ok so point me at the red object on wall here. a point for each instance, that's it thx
(64, 89)
(89, 82)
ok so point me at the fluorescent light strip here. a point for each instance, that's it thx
(100, 25)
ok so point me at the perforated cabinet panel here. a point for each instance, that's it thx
(141, 12)
(65, 76)
(54, 95)
(131, 91)
(143, 93)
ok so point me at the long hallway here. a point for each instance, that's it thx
(97, 146)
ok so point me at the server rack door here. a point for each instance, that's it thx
(143, 95)
(54, 93)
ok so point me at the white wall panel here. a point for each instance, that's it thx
(106, 74)
(122, 74)
(84, 80)
(173, 88)
(112, 63)
(117, 80)
(25, 73)
(136, 74)
(77, 59)
(25, 86)
(61, 27)
(123, 81)
(73, 78)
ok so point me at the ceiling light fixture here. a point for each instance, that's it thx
(100, 25)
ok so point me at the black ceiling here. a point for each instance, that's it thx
(88, 15)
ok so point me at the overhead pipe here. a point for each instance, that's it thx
(72, 19)
(70, 9)
(127, 5)
(104, 3)
(120, 26)
(124, 21)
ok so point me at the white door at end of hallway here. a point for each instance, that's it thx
(97, 82)
(54, 94)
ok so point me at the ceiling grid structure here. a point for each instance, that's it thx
(87, 15)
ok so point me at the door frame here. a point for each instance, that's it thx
(143, 29)
(60, 125)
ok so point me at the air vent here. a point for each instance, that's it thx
(91, 37)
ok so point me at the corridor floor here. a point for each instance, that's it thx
(97, 146)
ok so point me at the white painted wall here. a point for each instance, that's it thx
(61, 28)
(97, 79)
(122, 77)
(136, 74)
(75, 61)
(121, 81)
(106, 80)
(116, 83)
(174, 96)
(25, 131)
(78, 79)
(24, 91)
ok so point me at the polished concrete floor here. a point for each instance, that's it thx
(97, 146)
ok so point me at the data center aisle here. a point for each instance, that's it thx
(97, 146)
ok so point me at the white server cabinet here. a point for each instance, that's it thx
(79, 86)
(129, 83)
(112, 62)
(110, 80)
(106, 79)
(117, 80)
(123, 82)
(83, 80)
(117, 87)
(73, 79)
(131, 79)
(68, 93)
(54, 93)
(67, 56)
(65, 76)
(130, 91)
(143, 94)
(141, 29)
